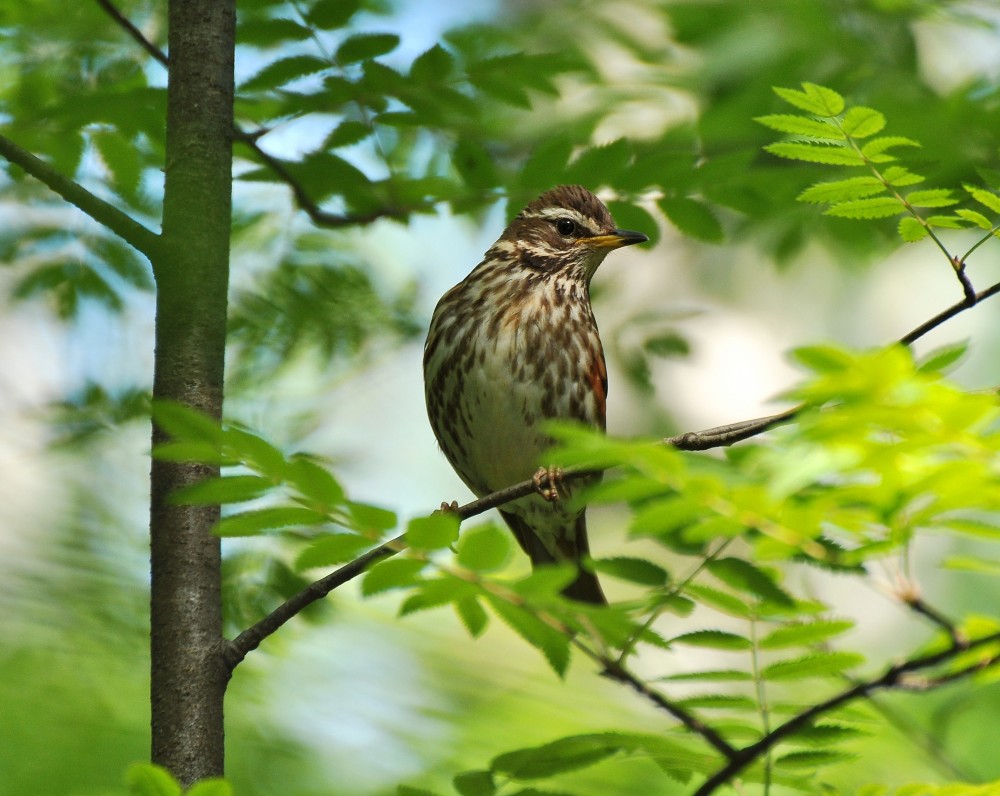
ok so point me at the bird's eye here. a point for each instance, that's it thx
(566, 226)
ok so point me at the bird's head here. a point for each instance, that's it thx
(567, 231)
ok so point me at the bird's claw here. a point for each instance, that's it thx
(547, 480)
(447, 508)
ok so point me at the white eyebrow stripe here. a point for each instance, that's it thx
(554, 213)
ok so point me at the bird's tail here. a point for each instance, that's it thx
(573, 546)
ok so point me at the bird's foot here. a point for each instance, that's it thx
(447, 508)
(547, 480)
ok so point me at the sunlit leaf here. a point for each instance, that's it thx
(566, 754)
(256, 521)
(842, 190)
(814, 99)
(434, 532)
(551, 643)
(713, 639)
(393, 573)
(805, 633)
(819, 664)
(861, 122)
(801, 125)
(145, 779)
(223, 489)
(484, 549)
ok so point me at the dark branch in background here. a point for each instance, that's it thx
(305, 202)
(122, 224)
(893, 677)
(948, 314)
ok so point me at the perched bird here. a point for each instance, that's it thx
(515, 344)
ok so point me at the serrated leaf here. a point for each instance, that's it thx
(816, 153)
(841, 190)
(636, 570)
(552, 644)
(804, 633)
(713, 639)
(811, 760)
(973, 217)
(876, 207)
(472, 614)
(899, 176)
(719, 600)
(484, 549)
(330, 549)
(826, 734)
(435, 593)
(710, 676)
(434, 532)
(474, 783)
(260, 32)
(314, 482)
(911, 230)
(941, 358)
(330, 14)
(146, 779)
(814, 99)
(285, 70)
(255, 452)
(251, 523)
(692, 218)
(932, 197)
(985, 198)
(875, 149)
(601, 164)
(558, 757)
(946, 222)
(720, 702)
(371, 520)
(801, 125)
(820, 664)
(365, 46)
(861, 122)
(394, 573)
(744, 576)
(185, 423)
(347, 133)
(433, 66)
(222, 489)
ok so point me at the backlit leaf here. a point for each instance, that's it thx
(819, 664)
(842, 190)
(876, 207)
(804, 633)
(251, 523)
(861, 122)
(816, 153)
(434, 532)
(713, 639)
(393, 573)
(223, 489)
(814, 99)
(801, 125)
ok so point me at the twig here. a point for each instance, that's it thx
(948, 314)
(123, 22)
(122, 224)
(893, 677)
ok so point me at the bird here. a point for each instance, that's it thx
(516, 344)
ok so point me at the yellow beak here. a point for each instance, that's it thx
(617, 239)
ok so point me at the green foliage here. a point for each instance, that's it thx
(145, 779)
(835, 136)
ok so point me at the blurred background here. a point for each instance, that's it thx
(327, 341)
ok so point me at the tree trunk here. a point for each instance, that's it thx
(192, 274)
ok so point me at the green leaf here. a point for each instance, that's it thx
(819, 664)
(435, 593)
(876, 207)
(719, 702)
(259, 32)
(256, 521)
(933, 197)
(942, 358)
(911, 230)
(811, 760)
(278, 73)
(841, 190)
(434, 532)
(485, 548)
(330, 549)
(713, 639)
(801, 125)
(632, 216)
(472, 614)
(146, 779)
(558, 757)
(371, 520)
(314, 482)
(636, 570)
(898, 176)
(861, 122)
(744, 576)
(210, 787)
(185, 423)
(875, 149)
(475, 783)
(393, 573)
(551, 643)
(986, 198)
(973, 564)
(814, 99)
(255, 452)
(816, 153)
(719, 600)
(222, 489)
(330, 14)
(406, 790)
(433, 67)
(710, 676)
(823, 358)
(804, 633)
(693, 218)
(973, 217)
(347, 133)
(365, 46)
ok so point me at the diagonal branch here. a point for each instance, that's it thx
(895, 676)
(125, 24)
(120, 223)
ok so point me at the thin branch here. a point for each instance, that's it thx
(948, 314)
(916, 604)
(615, 671)
(122, 224)
(894, 676)
(123, 22)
